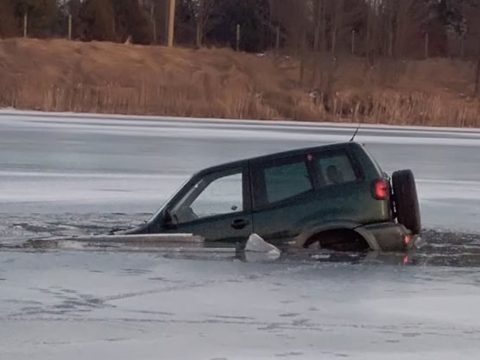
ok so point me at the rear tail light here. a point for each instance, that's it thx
(381, 189)
(407, 239)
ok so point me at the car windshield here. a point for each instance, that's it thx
(160, 211)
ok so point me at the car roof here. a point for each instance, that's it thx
(294, 152)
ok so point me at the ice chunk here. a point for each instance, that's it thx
(255, 244)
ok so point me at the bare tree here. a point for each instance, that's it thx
(202, 11)
(407, 21)
(477, 79)
(294, 16)
(338, 10)
(319, 24)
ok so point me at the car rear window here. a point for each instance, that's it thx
(286, 181)
(335, 169)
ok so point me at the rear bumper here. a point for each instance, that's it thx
(387, 236)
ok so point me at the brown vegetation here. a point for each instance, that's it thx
(59, 75)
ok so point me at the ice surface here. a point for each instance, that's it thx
(77, 174)
(80, 305)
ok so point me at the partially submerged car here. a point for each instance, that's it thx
(334, 197)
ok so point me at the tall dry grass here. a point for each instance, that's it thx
(403, 108)
(113, 78)
(148, 98)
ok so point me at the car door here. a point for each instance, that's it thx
(313, 189)
(283, 188)
(216, 206)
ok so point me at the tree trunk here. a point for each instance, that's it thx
(153, 20)
(337, 24)
(25, 24)
(352, 43)
(238, 37)
(200, 22)
(277, 39)
(69, 26)
(199, 35)
(323, 21)
(171, 23)
(303, 56)
(368, 37)
(427, 45)
(477, 79)
(317, 15)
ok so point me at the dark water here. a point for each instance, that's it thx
(440, 247)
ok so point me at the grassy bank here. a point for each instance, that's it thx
(57, 75)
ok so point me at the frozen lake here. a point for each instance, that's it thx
(77, 305)
(75, 174)
(96, 164)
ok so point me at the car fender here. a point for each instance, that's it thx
(302, 238)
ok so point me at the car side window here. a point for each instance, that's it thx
(286, 180)
(213, 195)
(335, 169)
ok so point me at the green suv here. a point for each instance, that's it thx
(334, 197)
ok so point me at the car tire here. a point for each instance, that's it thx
(405, 198)
(338, 240)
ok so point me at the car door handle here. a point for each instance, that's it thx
(239, 224)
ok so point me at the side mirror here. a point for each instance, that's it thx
(169, 220)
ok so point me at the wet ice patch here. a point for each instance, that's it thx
(18, 228)
(71, 245)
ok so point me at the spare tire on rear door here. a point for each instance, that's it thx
(406, 200)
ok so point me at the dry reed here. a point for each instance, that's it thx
(111, 78)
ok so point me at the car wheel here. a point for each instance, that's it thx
(405, 196)
(338, 240)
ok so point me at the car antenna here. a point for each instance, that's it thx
(356, 132)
